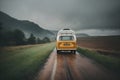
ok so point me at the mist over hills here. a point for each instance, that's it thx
(82, 35)
(28, 27)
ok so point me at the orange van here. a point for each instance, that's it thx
(66, 41)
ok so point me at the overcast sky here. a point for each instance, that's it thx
(98, 16)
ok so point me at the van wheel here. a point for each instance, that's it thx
(74, 51)
(58, 51)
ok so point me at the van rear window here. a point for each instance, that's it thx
(65, 38)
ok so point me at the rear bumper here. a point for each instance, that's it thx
(65, 49)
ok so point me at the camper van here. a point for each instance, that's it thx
(66, 41)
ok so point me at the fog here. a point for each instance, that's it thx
(100, 16)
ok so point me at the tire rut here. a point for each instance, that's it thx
(73, 67)
(67, 69)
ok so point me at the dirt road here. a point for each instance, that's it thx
(73, 67)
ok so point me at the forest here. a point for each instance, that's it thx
(17, 37)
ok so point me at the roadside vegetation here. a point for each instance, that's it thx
(17, 37)
(109, 62)
(23, 63)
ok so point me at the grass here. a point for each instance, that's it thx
(23, 63)
(109, 62)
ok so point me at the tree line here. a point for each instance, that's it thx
(17, 37)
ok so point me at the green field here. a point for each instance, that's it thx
(112, 63)
(23, 63)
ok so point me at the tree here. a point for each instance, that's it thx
(1, 34)
(39, 41)
(31, 39)
(15, 37)
(0, 26)
(46, 39)
(18, 37)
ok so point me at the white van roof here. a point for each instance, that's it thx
(66, 31)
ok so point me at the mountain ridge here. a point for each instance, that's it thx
(28, 27)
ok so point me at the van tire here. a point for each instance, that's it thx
(74, 51)
(58, 51)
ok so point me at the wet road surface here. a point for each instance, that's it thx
(73, 67)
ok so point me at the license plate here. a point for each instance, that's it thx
(66, 44)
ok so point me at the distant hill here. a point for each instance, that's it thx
(10, 23)
(54, 31)
(82, 35)
(77, 34)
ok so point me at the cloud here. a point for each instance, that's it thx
(76, 14)
(96, 15)
(97, 32)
